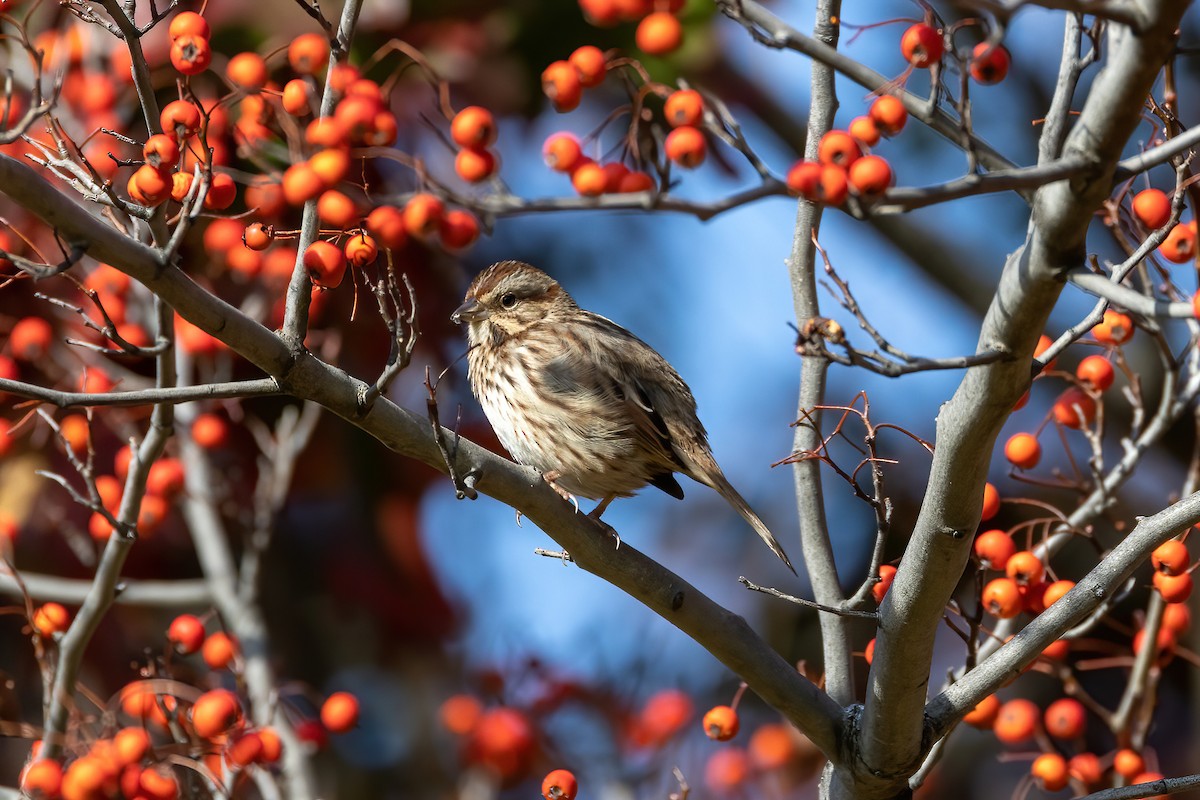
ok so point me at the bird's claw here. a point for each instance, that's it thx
(550, 478)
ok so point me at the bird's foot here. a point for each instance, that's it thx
(550, 478)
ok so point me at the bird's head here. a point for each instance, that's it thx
(508, 298)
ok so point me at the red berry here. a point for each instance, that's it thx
(922, 45)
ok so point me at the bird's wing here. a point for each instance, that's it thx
(645, 390)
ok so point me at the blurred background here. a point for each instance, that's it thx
(380, 582)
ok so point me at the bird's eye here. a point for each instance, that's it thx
(509, 300)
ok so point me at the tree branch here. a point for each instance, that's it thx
(262, 387)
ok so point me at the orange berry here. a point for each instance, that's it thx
(339, 713)
(422, 213)
(1171, 557)
(386, 224)
(1025, 568)
(258, 236)
(1051, 770)
(210, 431)
(589, 179)
(181, 185)
(189, 23)
(186, 632)
(1055, 592)
(989, 63)
(1152, 207)
(458, 229)
(308, 53)
(991, 502)
(614, 172)
(994, 548)
(325, 264)
(864, 130)
(361, 250)
(1085, 768)
(922, 45)
(244, 750)
(1149, 777)
(1180, 245)
(460, 714)
(1065, 718)
(42, 779)
(1016, 721)
(336, 209)
(473, 127)
(590, 63)
(870, 175)
(1002, 598)
(984, 714)
(560, 784)
(663, 715)
(75, 430)
(562, 152)
(1128, 763)
(1115, 328)
(301, 183)
(165, 478)
(272, 745)
(503, 742)
(1023, 450)
(869, 652)
(342, 75)
(222, 191)
(247, 71)
(130, 745)
(216, 712)
(727, 769)
(839, 149)
(889, 114)
(153, 185)
(1177, 617)
(191, 55)
(1196, 304)
(326, 132)
(561, 84)
(50, 619)
(684, 107)
(1096, 371)
(296, 97)
(161, 151)
(659, 33)
(601, 13)
(1074, 408)
(772, 746)
(30, 339)
(474, 166)
(887, 574)
(686, 146)
(1044, 343)
(635, 181)
(1173, 588)
(180, 118)
(219, 650)
(330, 165)
(721, 723)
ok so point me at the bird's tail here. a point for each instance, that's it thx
(719, 482)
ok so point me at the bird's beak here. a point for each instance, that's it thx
(469, 311)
